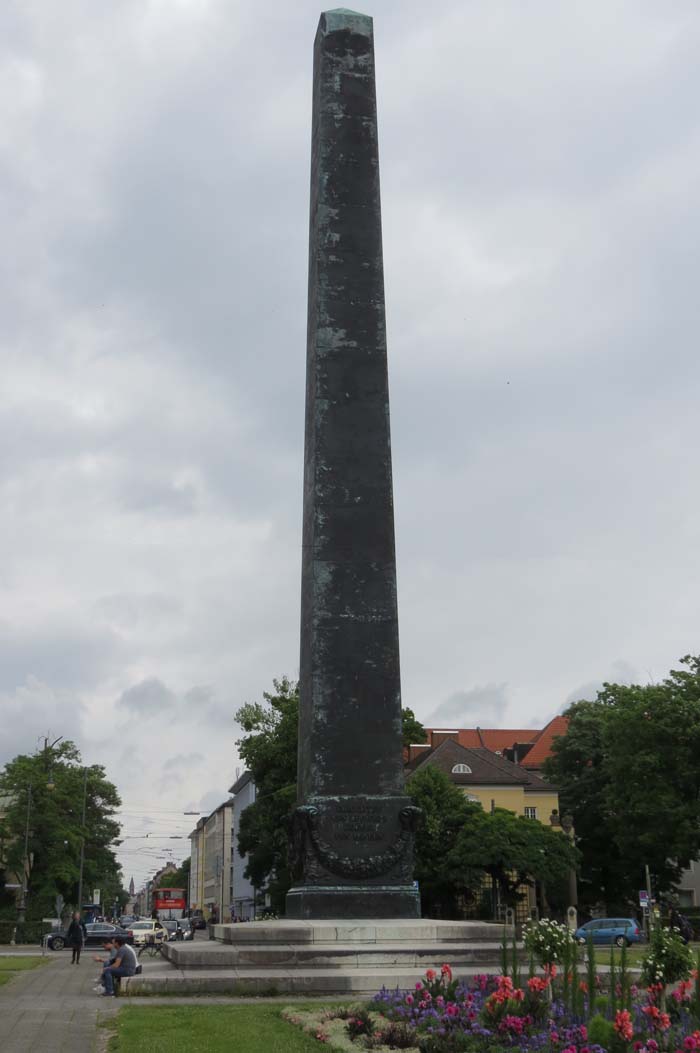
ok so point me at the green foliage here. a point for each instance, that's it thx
(269, 751)
(549, 941)
(442, 874)
(513, 850)
(601, 1032)
(623, 770)
(54, 806)
(413, 730)
(668, 958)
(591, 968)
(612, 993)
(181, 877)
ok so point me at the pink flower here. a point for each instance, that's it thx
(430, 975)
(451, 1009)
(419, 986)
(446, 971)
(409, 999)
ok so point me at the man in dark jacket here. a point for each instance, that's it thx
(76, 937)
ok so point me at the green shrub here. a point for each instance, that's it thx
(668, 959)
(601, 1032)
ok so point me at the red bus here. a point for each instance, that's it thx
(170, 902)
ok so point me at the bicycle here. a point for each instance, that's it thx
(152, 947)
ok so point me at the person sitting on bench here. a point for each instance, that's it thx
(124, 965)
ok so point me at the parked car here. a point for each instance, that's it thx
(97, 932)
(127, 920)
(148, 928)
(198, 920)
(620, 931)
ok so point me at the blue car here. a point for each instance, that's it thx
(620, 931)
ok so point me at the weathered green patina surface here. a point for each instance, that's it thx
(353, 830)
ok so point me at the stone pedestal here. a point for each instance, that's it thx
(354, 957)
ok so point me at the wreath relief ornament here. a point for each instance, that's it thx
(305, 840)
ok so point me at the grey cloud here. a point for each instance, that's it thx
(129, 610)
(183, 760)
(147, 698)
(31, 711)
(65, 655)
(620, 672)
(480, 705)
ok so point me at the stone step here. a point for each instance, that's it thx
(299, 982)
(421, 955)
(408, 930)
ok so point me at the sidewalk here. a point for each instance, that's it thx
(52, 1009)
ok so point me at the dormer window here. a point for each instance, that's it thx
(461, 769)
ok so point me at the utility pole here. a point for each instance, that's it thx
(82, 842)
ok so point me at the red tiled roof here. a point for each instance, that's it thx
(542, 746)
(491, 738)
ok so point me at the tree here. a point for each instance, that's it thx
(458, 844)
(513, 851)
(627, 771)
(181, 877)
(413, 730)
(446, 811)
(269, 751)
(45, 795)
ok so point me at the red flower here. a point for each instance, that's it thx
(623, 1025)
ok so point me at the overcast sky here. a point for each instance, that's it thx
(541, 193)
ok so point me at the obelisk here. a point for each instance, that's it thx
(353, 829)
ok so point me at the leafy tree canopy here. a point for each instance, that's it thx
(627, 771)
(458, 842)
(47, 788)
(413, 730)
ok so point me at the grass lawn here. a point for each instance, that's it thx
(635, 953)
(208, 1029)
(11, 965)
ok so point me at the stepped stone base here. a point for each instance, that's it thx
(321, 957)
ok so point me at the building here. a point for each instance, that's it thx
(527, 747)
(488, 778)
(242, 890)
(216, 842)
(195, 897)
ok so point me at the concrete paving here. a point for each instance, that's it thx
(53, 1009)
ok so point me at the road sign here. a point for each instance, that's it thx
(643, 898)
(96, 896)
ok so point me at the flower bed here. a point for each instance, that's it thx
(553, 1012)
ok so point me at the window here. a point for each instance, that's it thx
(530, 811)
(461, 769)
